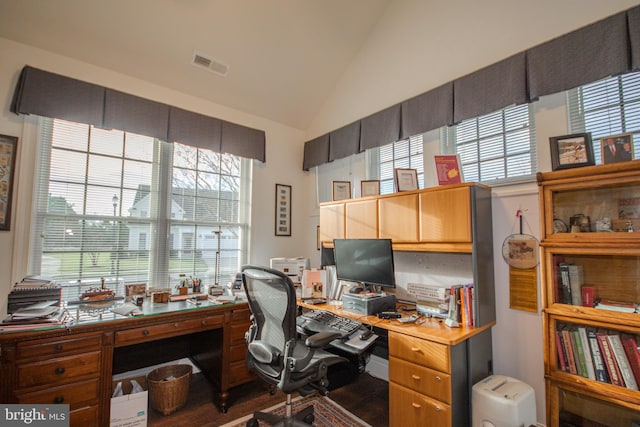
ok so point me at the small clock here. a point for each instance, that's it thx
(559, 226)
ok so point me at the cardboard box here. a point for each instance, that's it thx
(129, 410)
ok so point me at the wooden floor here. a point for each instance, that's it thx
(366, 397)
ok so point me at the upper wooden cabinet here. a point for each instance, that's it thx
(437, 219)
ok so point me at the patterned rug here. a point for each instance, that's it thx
(327, 413)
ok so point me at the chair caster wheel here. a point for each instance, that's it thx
(253, 423)
(309, 419)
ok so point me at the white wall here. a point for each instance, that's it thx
(284, 162)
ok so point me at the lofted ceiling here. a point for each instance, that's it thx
(283, 56)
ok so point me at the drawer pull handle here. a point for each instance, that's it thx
(438, 409)
(438, 378)
(415, 377)
(204, 323)
(416, 405)
(145, 332)
(59, 347)
(415, 349)
(58, 399)
(59, 371)
(176, 325)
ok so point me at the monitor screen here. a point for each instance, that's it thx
(366, 261)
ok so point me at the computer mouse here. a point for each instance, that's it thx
(365, 334)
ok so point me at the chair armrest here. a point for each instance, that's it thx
(321, 339)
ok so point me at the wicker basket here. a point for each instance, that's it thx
(169, 387)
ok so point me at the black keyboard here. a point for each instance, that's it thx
(320, 321)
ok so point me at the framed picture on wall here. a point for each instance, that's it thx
(8, 145)
(283, 210)
(341, 190)
(571, 151)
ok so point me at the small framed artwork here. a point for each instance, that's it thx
(8, 148)
(370, 187)
(617, 148)
(571, 151)
(406, 179)
(283, 210)
(341, 190)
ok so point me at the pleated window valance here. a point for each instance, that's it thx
(608, 47)
(52, 95)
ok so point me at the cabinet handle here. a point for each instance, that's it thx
(438, 378)
(416, 405)
(204, 323)
(415, 377)
(415, 349)
(176, 325)
(59, 347)
(58, 399)
(145, 332)
(59, 371)
(438, 409)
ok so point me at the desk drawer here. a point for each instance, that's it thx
(155, 332)
(72, 395)
(84, 417)
(418, 378)
(238, 352)
(409, 408)
(59, 371)
(238, 331)
(241, 315)
(57, 346)
(239, 374)
(423, 352)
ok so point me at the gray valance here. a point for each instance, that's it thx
(52, 95)
(316, 152)
(490, 88)
(427, 111)
(606, 48)
(344, 141)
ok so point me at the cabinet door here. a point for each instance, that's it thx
(399, 218)
(445, 216)
(361, 219)
(331, 222)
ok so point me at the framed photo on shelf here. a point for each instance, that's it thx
(617, 148)
(571, 151)
(283, 210)
(406, 179)
(8, 148)
(341, 190)
(370, 187)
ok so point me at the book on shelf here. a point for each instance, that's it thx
(586, 349)
(455, 315)
(562, 354)
(578, 354)
(571, 356)
(448, 169)
(630, 346)
(609, 359)
(557, 278)
(576, 280)
(621, 306)
(623, 363)
(599, 366)
(565, 283)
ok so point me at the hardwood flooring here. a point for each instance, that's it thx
(366, 397)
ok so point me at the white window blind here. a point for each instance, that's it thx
(407, 153)
(607, 107)
(494, 148)
(132, 209)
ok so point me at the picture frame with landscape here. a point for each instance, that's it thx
(571, 151)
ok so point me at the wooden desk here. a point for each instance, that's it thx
(432, 368)
(75, 365)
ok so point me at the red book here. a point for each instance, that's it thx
(633, 354)
(609, 359)
(561, 353)
(571, 357)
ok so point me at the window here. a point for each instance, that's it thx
(133, 209)
(607, 107)
(407, 153)
(494, 148)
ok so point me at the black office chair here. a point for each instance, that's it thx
(276, 352)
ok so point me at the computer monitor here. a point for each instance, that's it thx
(368, 262)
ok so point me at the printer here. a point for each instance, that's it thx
(292, 267)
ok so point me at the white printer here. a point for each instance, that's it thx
(501, 401)
(292, 267)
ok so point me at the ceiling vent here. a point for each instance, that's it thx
(203, 61)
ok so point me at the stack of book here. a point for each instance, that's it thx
(39, 315)
(31, 290)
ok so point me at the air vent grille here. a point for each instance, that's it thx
(210, 64)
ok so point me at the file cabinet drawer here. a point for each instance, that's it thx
(59, 370)
(418, 378)
(409, 408)
(425, 353)
(73, 395)
(155, 332)
(54, 347)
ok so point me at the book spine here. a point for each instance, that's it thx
(562, 358)
(582, 331)
(623, 362)
(633, 354)
(581, 366)
(566, 338)
(566, 283)
(609, 359)
(598, 361)
(576, 280)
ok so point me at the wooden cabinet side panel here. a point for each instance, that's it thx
(445, 216)
(398, 218)
(332, 222)
(361, 219)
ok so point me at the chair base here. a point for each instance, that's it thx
(302, 418)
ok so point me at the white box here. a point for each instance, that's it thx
(129, 410)
(501, 401)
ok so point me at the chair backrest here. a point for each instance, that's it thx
(272, 300)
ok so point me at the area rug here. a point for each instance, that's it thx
(327, 413)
